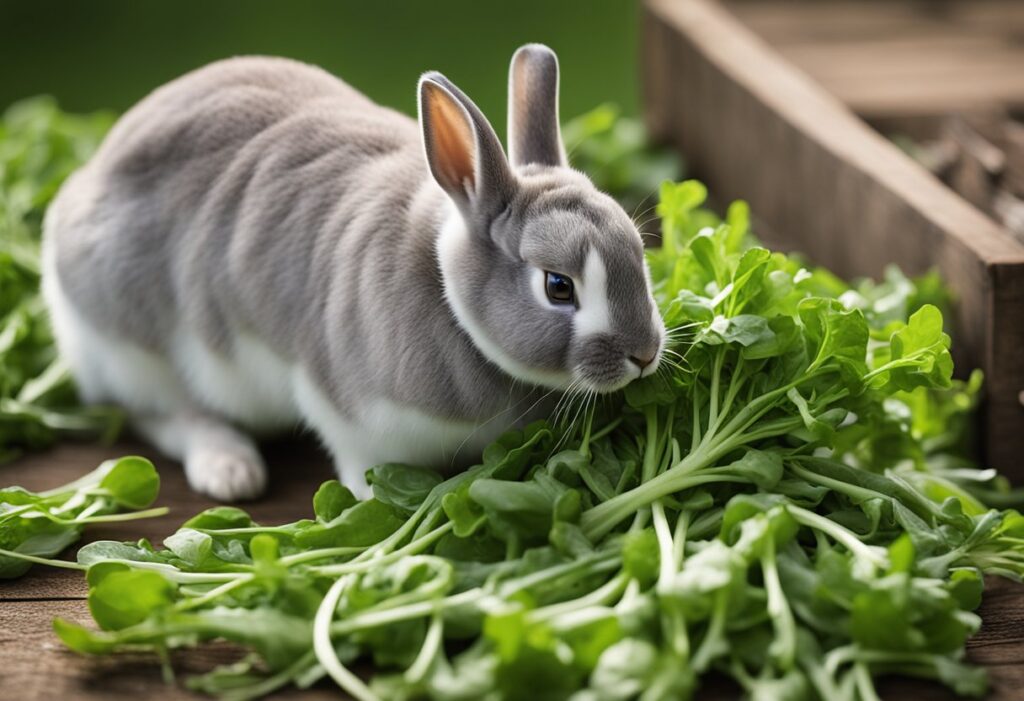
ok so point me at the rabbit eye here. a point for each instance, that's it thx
(559, 288)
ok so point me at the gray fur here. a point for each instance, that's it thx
(534, 131)
(265, 197)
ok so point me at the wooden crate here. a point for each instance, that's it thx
(900, 61)
(821, 181)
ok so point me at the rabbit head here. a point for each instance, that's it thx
(544, 272)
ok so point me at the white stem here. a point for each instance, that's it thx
(42, 560)
(324, 648)
(360, 565)
(666, 547)
(186, 604)
(431, 644)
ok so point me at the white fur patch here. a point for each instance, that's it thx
(593, 315)
(253, 387)
(384, 431)
(450, 246)
(538, 286)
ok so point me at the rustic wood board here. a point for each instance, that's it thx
(900, 57)
(754, 127)
(34, 666)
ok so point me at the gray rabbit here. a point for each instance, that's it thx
(257, 244)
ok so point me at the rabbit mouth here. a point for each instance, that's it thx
(604, 366)
(612, 381)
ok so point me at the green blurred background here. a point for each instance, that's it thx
(107, 54)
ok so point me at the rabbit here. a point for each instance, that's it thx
(257, 245)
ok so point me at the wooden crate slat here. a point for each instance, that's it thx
(755, 127)
(900, 58)
(781, 21)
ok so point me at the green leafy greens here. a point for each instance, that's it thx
(39, 147)
(786, 502)
(36, 526)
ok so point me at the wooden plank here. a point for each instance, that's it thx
(900, 58)
(784, 21)
(37, 667)
(755, 128)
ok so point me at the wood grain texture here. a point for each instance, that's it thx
(37, 667)
(901, 57)
(754, 127)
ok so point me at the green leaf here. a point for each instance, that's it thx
(133, 482)
(80, 639)
(640, 556)
(782, 334)
(688, 306)
(465, 513)
(516, 509)
(919, 353)
(655, 389)
(192, 546)
(220, 518)
(124, 598)
(901, 554)
(744, 329)
(402, 486)
(966, 586)
(331, 499)
(528, 651)
(838, 336)
(364, 524)
(103, 550)
(99, 571)
(760, 467)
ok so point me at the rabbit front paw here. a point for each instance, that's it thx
(226, 472)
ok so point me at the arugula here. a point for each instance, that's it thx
(39, 147)
(36, 526)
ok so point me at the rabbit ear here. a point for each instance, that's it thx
(533, 132)
(463, 152)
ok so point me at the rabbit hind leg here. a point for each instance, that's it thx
(219, 460)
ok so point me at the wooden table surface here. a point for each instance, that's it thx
(34, 665)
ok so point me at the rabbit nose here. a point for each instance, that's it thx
(643, 361)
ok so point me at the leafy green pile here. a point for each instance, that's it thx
(39, 147)
(37, 526)
(782, 503)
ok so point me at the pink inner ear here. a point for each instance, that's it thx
(521, 90)
(452, 139)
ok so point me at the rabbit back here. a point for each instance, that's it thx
(264, 200)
